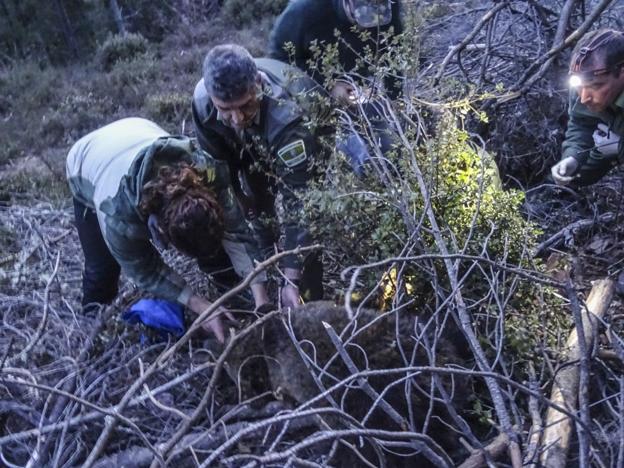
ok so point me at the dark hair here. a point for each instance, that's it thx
(601, 47)
(229, 72)
(187, 211)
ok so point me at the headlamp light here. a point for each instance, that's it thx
(584, 77)
(575, 81)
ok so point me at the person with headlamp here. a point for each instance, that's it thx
(596, 110)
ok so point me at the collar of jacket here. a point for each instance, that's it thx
(166, 150)
(619, 102)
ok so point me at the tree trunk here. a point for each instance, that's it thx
(70, 38)
(117, 16)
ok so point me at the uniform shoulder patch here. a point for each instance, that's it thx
(211, 174)
(293, 153)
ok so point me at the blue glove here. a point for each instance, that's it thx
(164, 316)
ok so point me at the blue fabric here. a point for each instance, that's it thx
(165, 316)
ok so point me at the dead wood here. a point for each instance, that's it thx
(570, 230)
(565, 391)
(493, 451)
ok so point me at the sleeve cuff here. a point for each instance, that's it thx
(184, 296)
(580, 155)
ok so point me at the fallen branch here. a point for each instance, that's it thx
(565, 389)
(459, 47)
(571, 229)
(493, 451)
(44, 319)
(102, 441)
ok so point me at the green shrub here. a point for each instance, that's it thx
(121, 48)
(130, 81)
(366, 221)
(242, 12)
(75, 115)
(168, 108)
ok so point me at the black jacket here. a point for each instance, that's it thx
(306, 21)
(268, 155)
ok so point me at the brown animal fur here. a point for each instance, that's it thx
(374, 346)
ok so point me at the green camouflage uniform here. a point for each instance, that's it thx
(107, 170)
(304, 23)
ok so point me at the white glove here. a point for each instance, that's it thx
(606, 141)
(563, 171)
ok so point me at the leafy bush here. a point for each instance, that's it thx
(119, 48)
(75, 115)
(129, 82)
(27, 90)
(384, 216)
(242, 12)
(170, 108)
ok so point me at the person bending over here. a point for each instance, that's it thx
(135, 186)
(592, 144)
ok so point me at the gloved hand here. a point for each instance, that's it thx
(606, 141)
(563, 171)
(164, 316)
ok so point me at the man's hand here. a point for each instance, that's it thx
(344, 93)
(563, 171)
(260, 294)
(606, 141)
(213, 323)
(290, 290)
(290, 296)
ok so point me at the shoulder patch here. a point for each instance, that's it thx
(211, 174)
(293, 153)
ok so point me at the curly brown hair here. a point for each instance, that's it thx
(188, 213)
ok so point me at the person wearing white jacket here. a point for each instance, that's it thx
(134, 185)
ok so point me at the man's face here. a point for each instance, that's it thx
(600, 91)
(239, 113)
